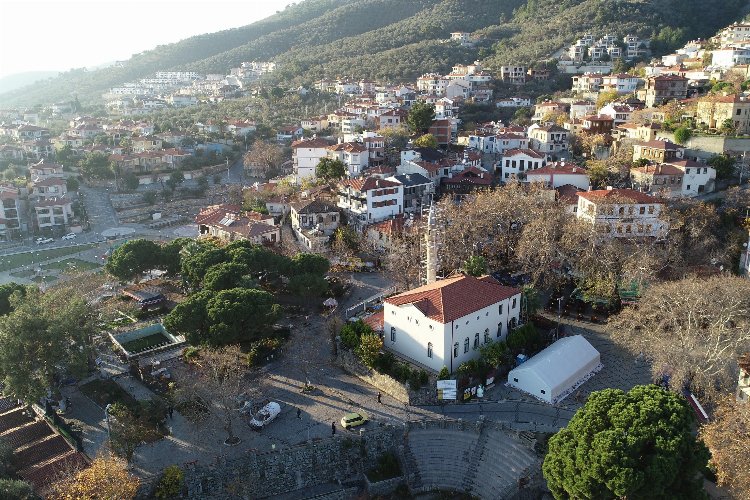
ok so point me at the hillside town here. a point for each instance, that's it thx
(397, 290)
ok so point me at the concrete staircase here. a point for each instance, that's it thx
(504, 460)
(442, 457)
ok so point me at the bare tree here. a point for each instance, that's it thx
(728, 438)
(692, 330)
(265, 156)
(403, 258)
(215, 383)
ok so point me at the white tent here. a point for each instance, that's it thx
(558, 370)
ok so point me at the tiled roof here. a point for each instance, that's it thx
(526, 152)
(50, 181)
(310, 143)
(43, 474)
(215, 213)
(411, 179)
(471, 175)
(616, 195)
(455, 297)
(687, 164)
(567, 194)
(664, 169)
(13, 419)
(559, 168)
(26, 434)
(375, 321)
(313, 207)
(369, 183)
(41, 451)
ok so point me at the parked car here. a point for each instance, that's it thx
(69, 236)
(44, 241)
(265, 416)
(353, 419)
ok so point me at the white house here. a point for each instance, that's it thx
(559, 174)
(558, 370)
(620, 113)
(519, 161)
(622, 83)
(370, 199)
(579, 109)
(622, 213)
(444, 323)
(550, 139)
(353, 154)
(305, 157)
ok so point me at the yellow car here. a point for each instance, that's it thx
(353, 420)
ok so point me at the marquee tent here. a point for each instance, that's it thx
(558, 370)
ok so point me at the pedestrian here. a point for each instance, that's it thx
(379, 396)
(299, 413)
(333, 428)
(171, 410)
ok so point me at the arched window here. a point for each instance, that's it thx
(455, 350)
(476, 341)
(393, 334)
(499, 329)
(466, 345)
(429, 350)
(486, 335)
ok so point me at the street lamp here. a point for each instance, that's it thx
(559, 316)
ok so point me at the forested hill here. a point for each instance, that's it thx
(398, 40)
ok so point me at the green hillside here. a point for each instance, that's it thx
(398, 40)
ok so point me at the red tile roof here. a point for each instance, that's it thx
(559, 168)
(364, 185)
(375, 321)
(527, 152)
(666, 145)
(616, 195)
(471, 175)
(567, 194)
(663, 169)
(455, 297)
(310, 143)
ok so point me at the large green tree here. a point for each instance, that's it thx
(310, 263)
(225, 276)
(6, 291)
(330, 169)
(46, 335)
(421, 115)
(96, 165)
(222, 318)
(196, 264)
(171, 255)
(133, 257)
(638, 444)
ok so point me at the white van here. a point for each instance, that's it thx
(265, 416)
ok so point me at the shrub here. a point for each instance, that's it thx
(444, 374)
(387, 468)
(170, 484)
(423, 377)
(351, 333)
(384, 362)
(414, 382)
(191, 353)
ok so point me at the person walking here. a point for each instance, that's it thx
(333, 428)
(171, 410)
(379, 396)
(299, 413)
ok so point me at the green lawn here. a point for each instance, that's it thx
(9, 262)
(72, 265)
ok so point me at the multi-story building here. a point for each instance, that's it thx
(368, 200)
(622, 83)
(432, 83)
(588, 82)
(53, 213)
(9, 210)
(516, 162)
(446, 322)
(657, 151)
(313, 222)
(622, 213)
(684, 178)
(551, 140)
(353, 154)
(418, 190)
(716, 111)
(513, 74)
(664, 88)
(51, 187)
(305, 157)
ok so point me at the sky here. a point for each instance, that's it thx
(57, 35)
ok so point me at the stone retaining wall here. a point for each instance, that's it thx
(384, 487)
(267, 474)
(385, 383)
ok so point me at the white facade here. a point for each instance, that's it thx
(557, 177)
(622, 213)
(305, 158)
(433, 344)
(558, 370)
(519, 161)
(698, 179)
(371, 200)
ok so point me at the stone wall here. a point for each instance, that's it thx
(385, 383)
(290, 469)
(385, 487)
